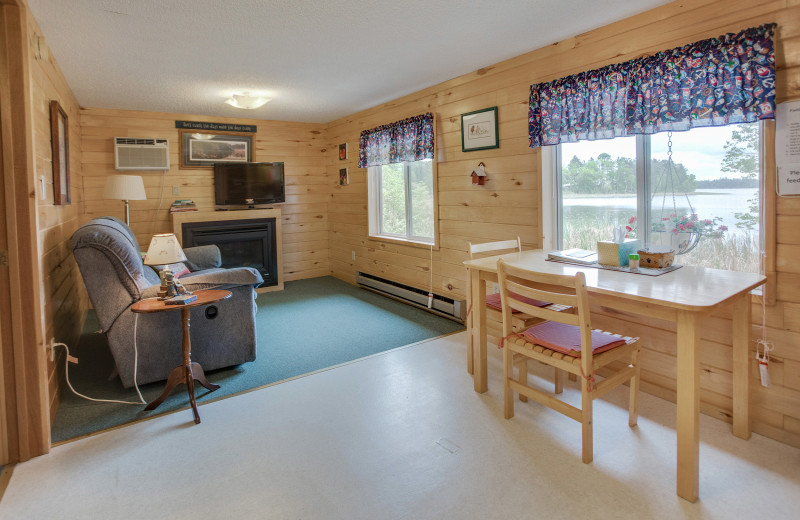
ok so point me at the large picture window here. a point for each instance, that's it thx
(711, 189)
(401, 201)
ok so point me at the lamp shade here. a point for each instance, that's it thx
(164, 249)
(124, 187)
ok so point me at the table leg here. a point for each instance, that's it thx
(200, 376)
(190, 388)
(186, 373)
(741, 366)
(479, 331)
(688, 424)
(470, 342)
(176, 376)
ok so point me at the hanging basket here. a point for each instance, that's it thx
(681, 242)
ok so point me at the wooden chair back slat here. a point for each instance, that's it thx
(493, 247)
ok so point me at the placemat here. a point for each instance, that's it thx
(647, 271)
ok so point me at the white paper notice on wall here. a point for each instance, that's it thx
(787, 147)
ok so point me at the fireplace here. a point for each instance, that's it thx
(242, 243)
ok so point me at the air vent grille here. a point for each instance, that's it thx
(137, 153)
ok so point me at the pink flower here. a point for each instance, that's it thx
(674, 231)
(723, 228)
(632, 220)
(629, 228)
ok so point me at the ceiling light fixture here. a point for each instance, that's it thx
(247, 101)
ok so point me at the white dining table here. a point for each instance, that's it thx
(683, 296)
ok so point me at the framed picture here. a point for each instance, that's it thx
(479, 130)
(343, 152)
(59, 137)
(344, 180)
(202, 150)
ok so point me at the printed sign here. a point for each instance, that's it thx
(220, 127)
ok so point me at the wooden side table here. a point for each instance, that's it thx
(187, 372)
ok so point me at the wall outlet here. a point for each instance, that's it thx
(354, 256)
(52, 349)
(495, 288)
(176, 190)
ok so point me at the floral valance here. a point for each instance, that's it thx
(714, 82)
(407, 140)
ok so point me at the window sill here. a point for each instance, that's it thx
(404, 242)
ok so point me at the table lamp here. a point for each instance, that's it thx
(164, 250)
(125, 187)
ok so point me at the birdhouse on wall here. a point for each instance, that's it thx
(479, 175)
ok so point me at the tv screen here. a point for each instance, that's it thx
(248, 183)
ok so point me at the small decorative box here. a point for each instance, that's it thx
(616, 253)
(657, 257)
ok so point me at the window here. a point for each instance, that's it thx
(401, 203)
(713, 188)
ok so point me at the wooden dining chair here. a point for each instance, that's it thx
(494, 319)
(564, 340)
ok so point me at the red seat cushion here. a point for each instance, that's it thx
(567, 338)
(493, 301)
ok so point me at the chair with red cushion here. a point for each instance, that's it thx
(564, 340)
(494, 319)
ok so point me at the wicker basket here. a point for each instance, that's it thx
(656, 257)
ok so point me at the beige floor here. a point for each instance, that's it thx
(401, 435)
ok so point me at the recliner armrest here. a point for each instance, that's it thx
(222, 278)
(213, 279)
(199, 258)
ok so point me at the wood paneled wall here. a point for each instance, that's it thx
(509, 204)
(301, 146)
(64, 299)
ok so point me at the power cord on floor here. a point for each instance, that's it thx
(135, 367)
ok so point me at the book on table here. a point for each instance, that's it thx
(574, 256)
(181, 299)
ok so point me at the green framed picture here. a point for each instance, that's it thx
(479, 130)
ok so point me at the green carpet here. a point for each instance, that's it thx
(290, 326)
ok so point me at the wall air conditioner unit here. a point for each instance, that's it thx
(132, 153)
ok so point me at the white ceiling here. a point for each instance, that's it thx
(318, 60)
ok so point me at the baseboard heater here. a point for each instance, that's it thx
(442, 305)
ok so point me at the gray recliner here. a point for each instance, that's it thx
(107, 254)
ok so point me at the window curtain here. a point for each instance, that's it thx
(407, 140)
(714, 82)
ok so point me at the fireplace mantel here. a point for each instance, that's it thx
(179, 218)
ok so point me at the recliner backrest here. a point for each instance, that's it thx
(108, 257)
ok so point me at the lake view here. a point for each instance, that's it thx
(616, 210)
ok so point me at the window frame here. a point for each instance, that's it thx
(375, 209)
(552, 229)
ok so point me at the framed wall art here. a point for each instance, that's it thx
(59, 136)
(343, 152)
(202, 150)
(344, 178)
(479, 130)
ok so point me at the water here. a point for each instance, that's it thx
(707, 203)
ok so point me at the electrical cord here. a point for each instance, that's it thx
(135, 367)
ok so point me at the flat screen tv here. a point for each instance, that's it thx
(248, 184)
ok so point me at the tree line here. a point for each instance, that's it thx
(727, 183)
(605, 175)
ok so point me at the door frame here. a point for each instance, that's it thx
(25, 429)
